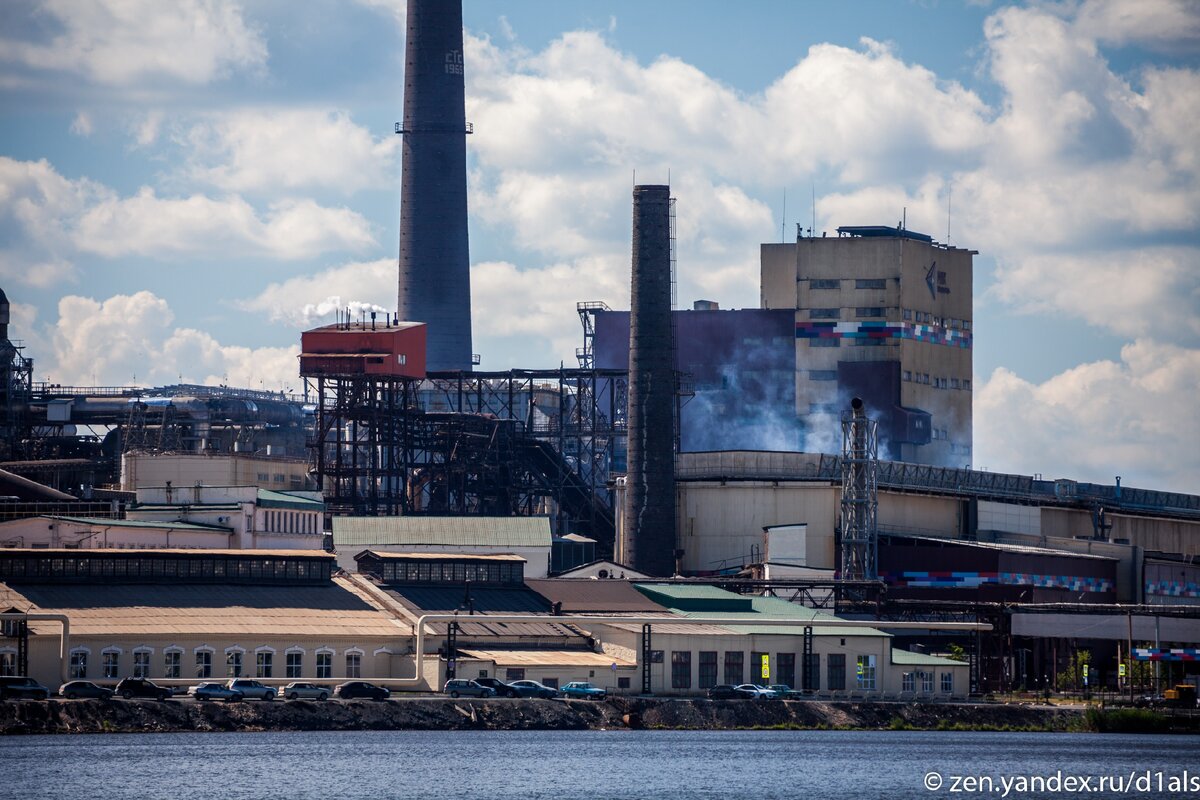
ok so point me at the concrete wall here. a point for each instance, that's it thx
(139, 470)
(47, 532)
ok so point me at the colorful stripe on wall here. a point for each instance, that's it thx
(972, 580)
(878, 329)
(1173, 588)
(1166, 653)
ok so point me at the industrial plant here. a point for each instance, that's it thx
(802, 471)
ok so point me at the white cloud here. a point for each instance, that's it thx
(1165, 25)
(130, 339)
(148, 225)
(82, 125)
(310, 300)
(146, 130)
(256, 150)
(125, 42)
(1137, 418)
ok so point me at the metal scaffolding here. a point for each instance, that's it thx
(860, 495)
(472, 443)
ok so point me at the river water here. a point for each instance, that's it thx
(653, 765)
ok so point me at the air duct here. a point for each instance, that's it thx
(435, 282)
(648, 531)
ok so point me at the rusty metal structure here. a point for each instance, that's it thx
(472, 443)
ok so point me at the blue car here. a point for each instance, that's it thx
(583, 690)
(214, 691)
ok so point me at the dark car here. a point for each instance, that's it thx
(352, 690)
(75, 689)
(533, 689)
(724, 691)
(15, 688)
(498, 686)
(140, 687)
(460, 687)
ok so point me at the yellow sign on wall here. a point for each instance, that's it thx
(766, 666)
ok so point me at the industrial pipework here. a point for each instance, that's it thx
(435, 283)
(648, 531)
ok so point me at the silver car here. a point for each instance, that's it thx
(251, 689)
(305, 691)
(456, 687)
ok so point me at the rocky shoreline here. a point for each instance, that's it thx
(437, 713)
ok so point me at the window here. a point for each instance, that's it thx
(836, 667)
(263, 663)
(824, 283)
(656, 656)
(948, 683)
(262, 476)
(172, 668)
(141, 663)
(734, 666)
(822, 374)
(927, 682)
(760, 663)
(324, 665)
(785, 669)
(907, 684)
(708, 669)
(514, 674)
(622, 683)
(353, 665)
(203, 663)
(825, 341)
(112, 664)
(814, 672)
(955, 383)
(280, 477)
(966, 324)
(869, 311)
(908, 375)
(908, 313)
(79, 664)
(872, 342)
(966, 384)
(865, 671)
(681, 669)
(871, 283)
(824, 313)
(233, 664)
(551, 682)
(295, 665)
(8, 663)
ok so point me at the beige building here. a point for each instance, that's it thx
(278, 473)
(884, 314)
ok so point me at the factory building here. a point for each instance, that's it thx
(883, 314)
(526, 537)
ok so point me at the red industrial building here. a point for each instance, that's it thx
(384, 349)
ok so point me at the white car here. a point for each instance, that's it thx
(251, 689)
(306, 691)
(760, 692)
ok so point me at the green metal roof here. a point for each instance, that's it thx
(101, 522)
(910, 659)
(443, 531)
(270, 499)
(697, 600)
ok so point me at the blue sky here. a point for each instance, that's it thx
(185, 186)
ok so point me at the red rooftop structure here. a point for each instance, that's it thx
(385, 349)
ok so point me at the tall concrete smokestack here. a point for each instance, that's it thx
(648, 535)
(435, 278)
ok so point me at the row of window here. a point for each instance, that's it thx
(859, 283)
(279, 477)
(148, 565)
(932, 319)
(936, 381)
(235, 665)
(908, 682)
(511, 572)
(829, 341)
(836, 313)
(290, 522)
(784, 671)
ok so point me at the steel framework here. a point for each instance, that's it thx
(860, 495)
(472, 443)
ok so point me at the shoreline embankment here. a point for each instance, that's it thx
(30, 717)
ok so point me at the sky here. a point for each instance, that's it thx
(186, 186)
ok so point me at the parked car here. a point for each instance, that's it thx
(130, 688)
(251, 689)
(533, 689)
(74, 689)
(501, 688)
(214, 691)
(757, 692)
(583, 690)
(725, 691)
(356, 689)
(786, 692)
(16, 688)
(456, 687)
(305, 691)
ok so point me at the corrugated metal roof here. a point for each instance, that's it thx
(584, 595)
(444, 556)
(910, 659)
(270, 499)
(418, 600)
(456, 531)
(137, 523)
(549, 658)
(222, 611)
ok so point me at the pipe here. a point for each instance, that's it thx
(64, 643)
(427, 619)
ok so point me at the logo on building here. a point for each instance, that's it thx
(454, 62)
(936, 281)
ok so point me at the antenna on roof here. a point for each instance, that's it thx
(949, 196)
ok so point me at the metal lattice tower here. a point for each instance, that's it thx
(860, 499)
